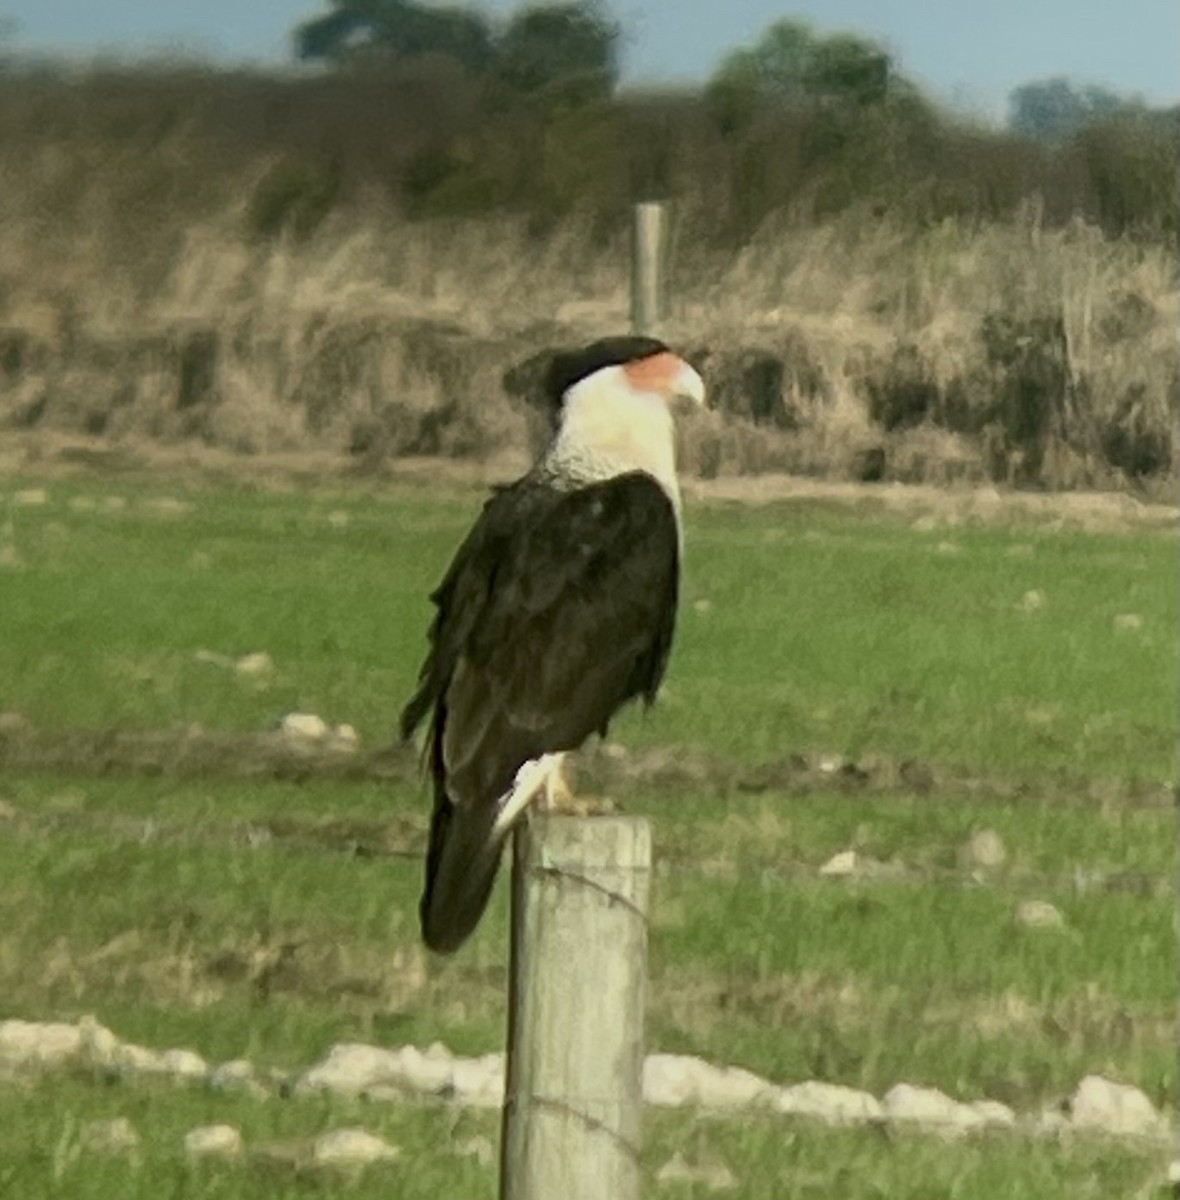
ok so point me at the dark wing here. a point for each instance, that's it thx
(559, 607)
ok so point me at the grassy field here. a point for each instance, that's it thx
(1022, 673)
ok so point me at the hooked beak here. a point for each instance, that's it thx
(687, 385)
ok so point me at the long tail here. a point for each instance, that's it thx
(461, 864)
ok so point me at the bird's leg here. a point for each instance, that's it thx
(559, 794)
(531, 780)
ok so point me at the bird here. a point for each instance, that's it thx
(558, 608)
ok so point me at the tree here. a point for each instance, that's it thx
(548, 43)
(1054, 109)
(356, 28)
(792, 65)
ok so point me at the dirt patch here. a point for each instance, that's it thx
(193, 751)
(52, 456)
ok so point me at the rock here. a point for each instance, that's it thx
(994, 1114)
(38, 1044)
(139, 1060)
(929, 1107)
(258, 663)
(676, 1080)
(1050, 1122)
(353, 1068)
(351, 1147)
(30, 498)
(1039, 914)
(303, 727)
(848, 864)
(184, 1064)
(338, 519)
(1099, 1103)
(99, 1046)
(236, 1075)
(984, 848)
(840, 865)
(478, 1081)
(115, 1136)
(1128, 621)
(712, 1176)
(345, 739)
(1032, 601)
(829, 1102)
(1173, 1176)
(213, 1141)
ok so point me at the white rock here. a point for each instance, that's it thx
(1050, 1122)
(351, 1147)
(213, 1141)
(236, 1075)
(258, 663)
(984, 848)
(353, 1067)
(30, 498)
(99, 1046)
(345, 738)
(995, 1114)
(675, 1080)
(38, 1043)
(849, 864)
(139, 1060)
(1039, 914)
(1100, 1103)
(841, 864)
(712, 1176)
(1128, 621)
(115, 1136)
(303, 727)
(1032, 601)
(1173, 1175)
(929, 1107)
(479, 1081)
(830, 1102)
(184, 1064)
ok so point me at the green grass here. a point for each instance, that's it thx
(45, 1130)
(271, 919)
(803, 627)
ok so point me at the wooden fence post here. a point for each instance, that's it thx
(648, 238)
(573, 1103)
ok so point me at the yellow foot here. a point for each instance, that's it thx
(589, 806)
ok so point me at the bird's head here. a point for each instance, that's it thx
(642, 365)
(614, 402)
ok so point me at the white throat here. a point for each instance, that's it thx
(609, 428)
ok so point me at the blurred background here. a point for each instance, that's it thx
(938, 247)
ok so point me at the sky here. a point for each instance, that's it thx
(968, 54)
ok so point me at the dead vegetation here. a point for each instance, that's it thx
(165, 281)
